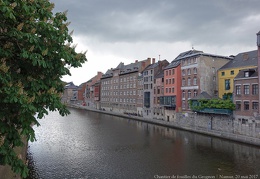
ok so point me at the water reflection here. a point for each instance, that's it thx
(92, 145)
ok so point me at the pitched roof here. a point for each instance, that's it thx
(173, 64)
(152, 66)
(252, 73)
(187, 53)
(193, 53)
(108, 74)
(70, 85)
(160, 74)
(242, 60)
(132, 67)
(202, 95)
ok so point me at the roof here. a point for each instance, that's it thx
(132, 67)
(70, 85)
(193, 53)
(202, 95)
(242, 60)
(108, 74)
(173, 64)
(160, 74)
(252, 73)
(187, 53)
(152, 66)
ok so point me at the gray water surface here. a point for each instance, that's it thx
(93, 145)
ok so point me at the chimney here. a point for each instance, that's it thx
(153, 60)
(136, 61)
(149, 60)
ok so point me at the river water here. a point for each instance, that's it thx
(92, 145)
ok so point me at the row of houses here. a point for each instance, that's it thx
(161, 89)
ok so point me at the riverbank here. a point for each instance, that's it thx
(193, 128)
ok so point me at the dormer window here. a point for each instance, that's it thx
(246, 74)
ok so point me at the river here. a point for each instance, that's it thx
(93, 145)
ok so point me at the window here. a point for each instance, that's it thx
(232, 72)
(223, 73)
(195, 70)
(246, 89)
(246, 74)
(166, 72)
(188, 71)
(255, 89)
(238, 90)
(173, 81)
(166, 81)
(166, 90)
(189, 81)
(246, 105)
(195, 93)
(227, 84)
(189, 94)
(183, 72)
(195, 81)
(173, 71)
(170, 72)
(183, 104)
(183, 94)
(238, 105)
(172, 90)
(183, 81)
(170, 81)
(158, 91)
(255, 105)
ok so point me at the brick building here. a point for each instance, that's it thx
(199, 73)
(119, 87)
(148, 82)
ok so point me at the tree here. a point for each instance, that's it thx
(35, 52)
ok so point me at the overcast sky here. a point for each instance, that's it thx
(115, 31)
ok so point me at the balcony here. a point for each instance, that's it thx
(168, 101)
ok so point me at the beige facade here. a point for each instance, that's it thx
(119, 91)
(199, 73)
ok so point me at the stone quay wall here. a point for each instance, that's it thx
(222, 126)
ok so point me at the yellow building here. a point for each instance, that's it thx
(229, 71)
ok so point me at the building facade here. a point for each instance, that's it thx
(140, 94)
(228, 72)
(158, 111)
(119, 87)
(149, 75)
(172, 90)
(90, 94)
(70, 94)
(246, 99)
(199, 73)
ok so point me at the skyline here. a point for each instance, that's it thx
(125, 31)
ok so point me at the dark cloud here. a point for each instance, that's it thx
(201, 22)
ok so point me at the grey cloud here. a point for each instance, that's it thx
(200, 22)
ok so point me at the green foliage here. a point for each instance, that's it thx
(212, 103)
(35, 52)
